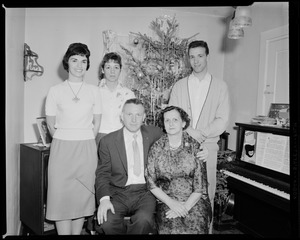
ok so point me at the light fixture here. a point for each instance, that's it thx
(242, 17)
(31, 67)
(235, 32)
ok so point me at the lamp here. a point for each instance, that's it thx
(242, 17)
(235, 32)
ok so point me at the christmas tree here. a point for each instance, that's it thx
(163, 62)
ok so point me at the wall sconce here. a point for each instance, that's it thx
(31, 67)
(241, 18)
(234, 31)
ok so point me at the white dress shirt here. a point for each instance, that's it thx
(198, 90)
(128, 139)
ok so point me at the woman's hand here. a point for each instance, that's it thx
(203, 153)
(177, 209)
(171, 214)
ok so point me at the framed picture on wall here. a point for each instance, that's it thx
(44, 131)
(279, 110)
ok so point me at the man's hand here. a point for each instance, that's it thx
(203, 153)
(105, 205)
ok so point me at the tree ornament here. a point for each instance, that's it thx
(140, 74)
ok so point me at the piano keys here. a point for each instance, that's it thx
(258, 184)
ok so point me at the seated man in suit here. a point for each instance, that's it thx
(118, 188)
(120, 183)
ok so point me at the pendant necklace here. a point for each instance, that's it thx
(75, 99)
(175, 146)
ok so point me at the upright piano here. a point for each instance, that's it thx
(260, 182)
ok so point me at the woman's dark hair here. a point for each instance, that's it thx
(109, 56)
(76, 49)
(183, 115)
(198, 43)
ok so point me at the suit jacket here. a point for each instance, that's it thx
(111, 172)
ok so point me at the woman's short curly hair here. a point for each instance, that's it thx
(183, 115)
(76, 49)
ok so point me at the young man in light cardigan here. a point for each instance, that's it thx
(206, 100)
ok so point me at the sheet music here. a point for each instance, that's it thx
(272, 151)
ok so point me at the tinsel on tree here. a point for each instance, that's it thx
(163, 62)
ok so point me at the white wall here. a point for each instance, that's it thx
(50, 31)
(241, 65)
(14, 112)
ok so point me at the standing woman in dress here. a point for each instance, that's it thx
(73, 113)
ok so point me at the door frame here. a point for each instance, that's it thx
(265, 39)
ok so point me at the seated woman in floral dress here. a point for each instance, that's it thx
(178, 178)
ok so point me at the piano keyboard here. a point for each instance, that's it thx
(257, 184)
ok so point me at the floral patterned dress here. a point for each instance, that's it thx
(179, 173)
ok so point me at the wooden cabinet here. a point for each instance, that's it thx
(33, 189)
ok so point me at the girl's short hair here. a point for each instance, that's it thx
(183, 115)
(109, 56)
(76, 49)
